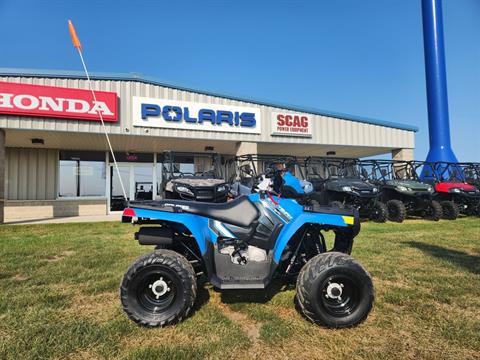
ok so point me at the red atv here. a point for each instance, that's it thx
(452, 190)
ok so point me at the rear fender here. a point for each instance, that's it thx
(197, 225)
(345, 224)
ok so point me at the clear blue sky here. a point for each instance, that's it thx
(358, 57)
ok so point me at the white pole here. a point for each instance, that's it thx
(103, 125)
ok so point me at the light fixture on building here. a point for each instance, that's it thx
(38, 141)
(331, 153)
(209, 148)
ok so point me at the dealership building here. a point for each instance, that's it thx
(54, 158)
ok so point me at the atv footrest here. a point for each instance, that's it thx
(229, 284)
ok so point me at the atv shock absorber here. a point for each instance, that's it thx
(295, 254)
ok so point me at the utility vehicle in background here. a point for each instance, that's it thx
(338, 182)
(451, 188)
(401, 189)
(471, 173)
(193, 177)
(248, 173)
(244, 244)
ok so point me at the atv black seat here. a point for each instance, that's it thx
(239, 212)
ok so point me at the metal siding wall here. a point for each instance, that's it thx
(32, 174)
(326, 130)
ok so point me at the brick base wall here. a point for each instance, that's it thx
(18, 210)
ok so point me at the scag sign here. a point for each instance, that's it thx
(163, 113)
(291, 124)
(49, 101)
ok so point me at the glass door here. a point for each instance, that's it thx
(117, 199)
(143, 182)
(137, 179)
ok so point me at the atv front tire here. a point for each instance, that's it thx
(396, 211)
(450, 210)
(159, 289)
(379, 212)
(434, 211)
(334, 290)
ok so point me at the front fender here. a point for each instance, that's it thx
(342, 221)
(197, 225)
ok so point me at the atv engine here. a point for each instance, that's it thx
(241, 253)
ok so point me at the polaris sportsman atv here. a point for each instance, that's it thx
(451, 189)
(338, 182)
(193, 176)
(401, 189)
(244, 244)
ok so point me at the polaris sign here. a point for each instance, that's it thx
(174, 114)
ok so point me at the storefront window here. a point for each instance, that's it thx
(68, 178)
(82, 173)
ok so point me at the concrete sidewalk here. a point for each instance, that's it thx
(115, 216)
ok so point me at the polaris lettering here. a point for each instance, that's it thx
(194, 116)
(175, 113)
(49, 101)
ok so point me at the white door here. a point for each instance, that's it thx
(138, 180)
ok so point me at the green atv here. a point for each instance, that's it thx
(401, 189)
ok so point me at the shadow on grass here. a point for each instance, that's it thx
(458, 258)
(255, 296)
(202, 297)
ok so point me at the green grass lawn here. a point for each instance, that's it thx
(59, 299)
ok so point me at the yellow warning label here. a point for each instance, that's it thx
(348, 220)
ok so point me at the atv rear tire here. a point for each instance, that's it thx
(379, 212)
(396, 211)
(450, 210)
(334, 290)
(433, 211)
(159, 289)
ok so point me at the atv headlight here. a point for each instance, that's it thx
(375, 190)
(455, 190)
(430, 189)
(184, 189)
(221, 188)
(402, 188)
(347, 189)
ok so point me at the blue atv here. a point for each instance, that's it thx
(245, 244)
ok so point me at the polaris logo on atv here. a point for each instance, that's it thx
(174, 114)
(183, 207)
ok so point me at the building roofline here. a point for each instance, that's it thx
(150, 80)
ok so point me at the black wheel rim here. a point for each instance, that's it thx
(157, 288)
(339, 295)
(376, 212)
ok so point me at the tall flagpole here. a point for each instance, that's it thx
(78, 46)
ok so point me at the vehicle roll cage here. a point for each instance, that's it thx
(383, 170)
(171, 172)
(324, 168)
(471, 171)
(442, 171)
(331, 167)
(252, 165)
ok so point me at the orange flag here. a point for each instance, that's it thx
(73, 34)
